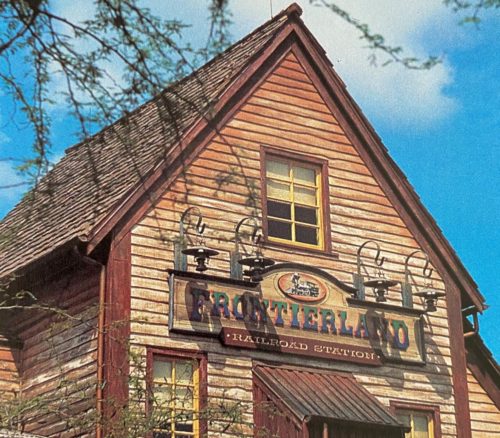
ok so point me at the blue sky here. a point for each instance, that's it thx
(441, 126)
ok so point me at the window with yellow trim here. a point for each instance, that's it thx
(420, 422)
(175, 397)
(293, 202)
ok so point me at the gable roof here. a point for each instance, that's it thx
(92, 187)
(95, 174)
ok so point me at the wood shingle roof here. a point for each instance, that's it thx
(95, 174)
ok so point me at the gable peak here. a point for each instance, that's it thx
(293, 9)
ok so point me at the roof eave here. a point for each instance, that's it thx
(76, 243)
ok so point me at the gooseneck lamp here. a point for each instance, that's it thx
(380, 284)
(255, 263)
(256, 266)
(201, 256)
(199, 252)
(430, 297)
(428, 293)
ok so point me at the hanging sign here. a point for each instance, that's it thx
(297, 311)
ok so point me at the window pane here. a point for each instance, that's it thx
(162, 371)
(306, 234)
(278, 209)
(305, 176)
(183, 398)
(293, 185)
(183, 427)
(277, 169)
(282, 230)
(163, 396)
(174, 401)
(278, 190)
(184, 372)
(305, 196)
(421, 426)
(184, 417)
(304, 214)
(184, 423)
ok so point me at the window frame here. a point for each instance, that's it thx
(431, 410)
(171, 354)
(267, 153)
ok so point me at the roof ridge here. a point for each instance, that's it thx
(294, 8)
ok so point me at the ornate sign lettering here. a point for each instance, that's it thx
(301, 346)
(296, 312)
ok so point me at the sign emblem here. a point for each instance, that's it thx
(302, 287)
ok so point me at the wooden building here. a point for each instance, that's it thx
(108, 328)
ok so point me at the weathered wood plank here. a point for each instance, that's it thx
(295, 108)
(292, 71)
(287, 91)
(291, 83)
(287, 113)
(485, 416)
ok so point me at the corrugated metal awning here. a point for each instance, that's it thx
(325, 395)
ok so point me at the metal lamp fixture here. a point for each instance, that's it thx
(257, 263)
(201, 256)
(245, 235)
(200, 252)
(430, 297)
(380, 284)
(256, 266)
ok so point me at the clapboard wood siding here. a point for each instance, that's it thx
(9, 370)
(285, 112)
(485, 416)
(59, 357)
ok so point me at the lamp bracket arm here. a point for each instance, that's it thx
(426, 270)
(255, 237)
(379, 261)
(184, 223)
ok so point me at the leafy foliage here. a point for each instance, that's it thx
(122, 55)
(472, 9)
(103, 66)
